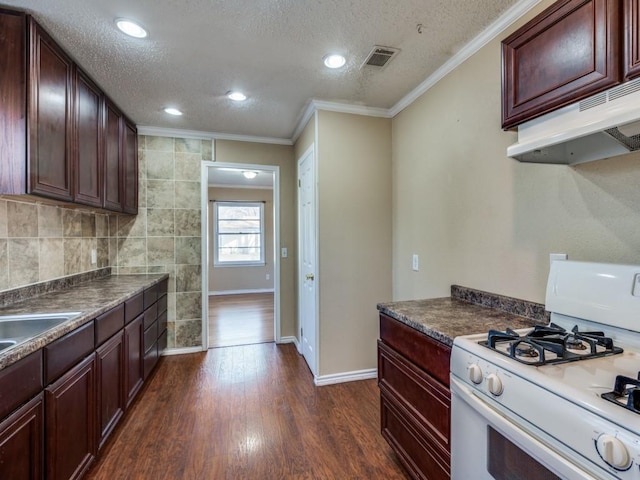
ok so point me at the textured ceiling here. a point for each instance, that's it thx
(272, 50)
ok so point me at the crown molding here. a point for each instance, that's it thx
(488, 34)
(178, 133)
(315, 105)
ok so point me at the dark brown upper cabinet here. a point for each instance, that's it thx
(50, 114)
(568, 52)
(58, 131)
(130, 167)
(631, 39)
(88, 157)
(112, 157)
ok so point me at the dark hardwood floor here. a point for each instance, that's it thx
(249, 412)
(241, 319)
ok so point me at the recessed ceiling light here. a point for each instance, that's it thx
(249, 175)
(173, 111)
(237, 96)
(334, 60)
(131, 28)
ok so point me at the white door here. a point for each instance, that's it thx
(307, 257)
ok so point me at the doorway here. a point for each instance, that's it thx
(242, 235)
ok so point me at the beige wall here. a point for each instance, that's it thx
(354, 192)
(278, 155)
(43, 242)
(165, 236)
(225, 279)
(480, 219)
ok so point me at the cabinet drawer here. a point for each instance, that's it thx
(150, 315)
(407, 440)
(133, 307)
(425, 398)
(162, 323)
(427, 353)
(163, 287)
(162, 342)
(150, 336)
(20, 382)
(150, 360)
(162, 304)
(62, 354)
(109, 323)
(150, 296)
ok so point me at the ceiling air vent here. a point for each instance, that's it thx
(380, 57)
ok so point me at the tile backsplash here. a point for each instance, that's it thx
(42, 242)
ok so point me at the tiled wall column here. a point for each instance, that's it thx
(165, 235)
(43, 242)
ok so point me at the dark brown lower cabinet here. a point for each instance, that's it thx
(415, 400)
(21, 440)
(134, 373)
(110, 385)
(70, 420)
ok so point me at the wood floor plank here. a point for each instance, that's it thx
(249, 412)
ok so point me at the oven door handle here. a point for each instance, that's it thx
(519, 435)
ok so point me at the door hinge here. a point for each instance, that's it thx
(301, 332)
(299, 183)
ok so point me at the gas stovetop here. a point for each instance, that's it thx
(551, 344)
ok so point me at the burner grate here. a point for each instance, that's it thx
(551, 344)
(626, 393)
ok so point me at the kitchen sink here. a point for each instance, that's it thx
(15, 329)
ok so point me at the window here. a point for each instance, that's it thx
(238, 233)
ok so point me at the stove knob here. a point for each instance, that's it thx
(494, 384)
(613, 451)
(475, 374)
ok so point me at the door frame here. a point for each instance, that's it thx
(206, 241)
(309, 152)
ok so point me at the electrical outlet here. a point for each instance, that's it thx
(415, 262)
(94, 256)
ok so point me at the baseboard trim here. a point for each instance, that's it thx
(290, 339)
(346, 377)
(181, 351)
(241, 292)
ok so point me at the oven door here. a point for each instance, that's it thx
(486, 445)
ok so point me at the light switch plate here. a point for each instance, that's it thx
(415, 262)
(285, 252)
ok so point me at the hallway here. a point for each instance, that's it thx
(240, 319)
(249, 412)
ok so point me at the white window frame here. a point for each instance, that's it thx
(216, 243)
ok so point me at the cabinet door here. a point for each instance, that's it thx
(110, 385)
(112, 158)
(50, 127)
(70, 419)
(568, 52)
(134, 355)
(13, 94)
(130, 168)
(21, 436)
(87, 159)
(631, 39)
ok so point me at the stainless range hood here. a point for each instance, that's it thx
(602, 126)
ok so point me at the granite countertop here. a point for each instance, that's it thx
(446, 318)
(92, 298)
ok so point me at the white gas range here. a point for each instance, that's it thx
(561, 401)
